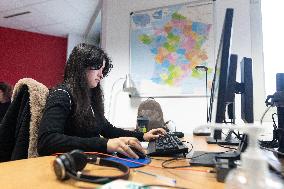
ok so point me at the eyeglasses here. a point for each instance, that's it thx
(95, 67)
(106, 69)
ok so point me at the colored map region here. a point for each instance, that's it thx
(171, 43)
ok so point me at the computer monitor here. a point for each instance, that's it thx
(232, 87)
(245, 88)
(218, 103)
(225, 104)
(217, 97)
(225, 86)
(247, 92)
(217, 106)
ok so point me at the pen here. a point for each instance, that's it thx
(159, 177)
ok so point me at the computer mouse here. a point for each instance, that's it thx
(136, 151)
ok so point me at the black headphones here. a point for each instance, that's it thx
(70, 165)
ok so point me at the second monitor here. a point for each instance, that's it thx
(226, 104)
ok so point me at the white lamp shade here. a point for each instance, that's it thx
(128, 85)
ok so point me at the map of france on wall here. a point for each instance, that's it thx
(165, 46)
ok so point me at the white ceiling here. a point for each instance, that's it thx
(53, 17)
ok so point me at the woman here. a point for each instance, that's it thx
(5, 98)
(74, 112)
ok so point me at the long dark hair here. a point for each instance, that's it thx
(82, 57)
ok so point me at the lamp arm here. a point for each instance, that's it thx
(110, 98)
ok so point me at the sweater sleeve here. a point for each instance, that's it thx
(51, 130)
(109, 131)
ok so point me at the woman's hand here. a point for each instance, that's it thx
(121, 145)
(154, 134)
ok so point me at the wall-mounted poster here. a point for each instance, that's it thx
(167, 43)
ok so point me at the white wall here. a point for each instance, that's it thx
(187, 113)
(75, 39)
(257, 55)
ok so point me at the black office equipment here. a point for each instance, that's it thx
(166, 145)
(209, 159)
(228, 102)
(202, 158)
(223, 91)
(176, 133)
(217, 106)
(225, 86)
(280, 110)
(246, 90)
(277, 100)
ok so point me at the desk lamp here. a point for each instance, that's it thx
(128, 86)
(205, 131)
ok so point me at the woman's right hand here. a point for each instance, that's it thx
(121, 145)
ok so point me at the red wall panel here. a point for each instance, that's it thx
(27, 54)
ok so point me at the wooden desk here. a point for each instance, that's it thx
(38, 173)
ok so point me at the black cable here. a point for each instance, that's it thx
(237, 135)
(175, 159)
(160, 185)
(224, 133)
(274, 142)
(166, 162)
(228, 147)
(191, 147)
(274, 123)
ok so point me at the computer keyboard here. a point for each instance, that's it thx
(166, 145)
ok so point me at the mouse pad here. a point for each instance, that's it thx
(146, 160)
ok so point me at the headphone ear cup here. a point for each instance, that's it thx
(61, 166)
(69, 163)
(79, 160)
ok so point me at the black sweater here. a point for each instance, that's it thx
(3, 109)
(58, 133)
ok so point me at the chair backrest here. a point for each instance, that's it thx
(19, 128)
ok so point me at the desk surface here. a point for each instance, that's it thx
(38, 173)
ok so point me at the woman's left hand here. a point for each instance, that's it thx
(154, 134)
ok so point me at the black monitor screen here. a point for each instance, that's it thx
(231, 87)
(217, 106)
(247, 90)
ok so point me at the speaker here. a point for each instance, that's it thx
(71, 165)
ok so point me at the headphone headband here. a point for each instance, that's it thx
(71, 165)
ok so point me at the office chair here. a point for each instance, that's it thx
(19, 127)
